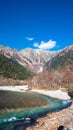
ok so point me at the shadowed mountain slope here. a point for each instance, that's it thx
(11, 69)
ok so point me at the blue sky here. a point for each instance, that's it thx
(39, 24)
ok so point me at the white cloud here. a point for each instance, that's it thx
(35, 44)
(30, 38)
(45, 45)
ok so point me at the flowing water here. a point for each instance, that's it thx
(31, 106)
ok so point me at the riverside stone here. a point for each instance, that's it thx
(52, 121)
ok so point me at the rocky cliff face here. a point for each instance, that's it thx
(38, 57)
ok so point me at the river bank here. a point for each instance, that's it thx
(55, 120)
(52, 93)
(22, 88)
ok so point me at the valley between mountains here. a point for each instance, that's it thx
(40, 69)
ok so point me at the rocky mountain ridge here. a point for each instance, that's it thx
(58, 73)
(38, 55)
(62, 59)
(14, 55)
(58, 70)
(29, 58)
